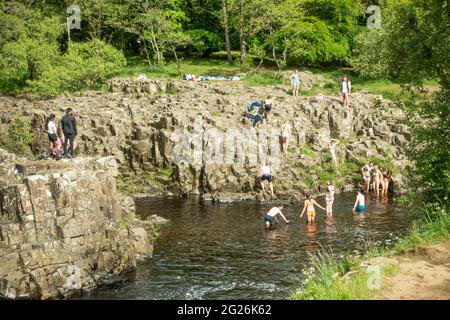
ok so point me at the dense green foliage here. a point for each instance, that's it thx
(19, 135)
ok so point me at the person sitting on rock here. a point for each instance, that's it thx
(285, 135)
(308, 206)
(272, 214)
(268, 107)
(266, 175)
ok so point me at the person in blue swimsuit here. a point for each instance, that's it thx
(295, 82)
(360, 205)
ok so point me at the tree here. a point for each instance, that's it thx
(226, 30)
(19, 136)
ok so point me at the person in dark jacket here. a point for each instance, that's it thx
(69, 128)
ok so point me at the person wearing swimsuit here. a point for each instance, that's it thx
(329, 198)
(332, 145)
(285, 135)
(295, 82)
(366, 171)
(360, 205)
(387, 178)
(309, 208)
(378, 179)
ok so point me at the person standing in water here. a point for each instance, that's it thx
(266, 175)
(387, 178)
(272, 214)
(329, 198)
(295, 82)
(360, 205)
(308, 206)
(345, 89)
(332, 145)
(366, 171)
(285, 135)
(378, 179)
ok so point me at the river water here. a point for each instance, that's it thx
(222, 251)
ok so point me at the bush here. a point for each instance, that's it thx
(18, 136)
(85, 65)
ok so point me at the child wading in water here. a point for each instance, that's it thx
(360, 205)
(272, 214)
(309, 208)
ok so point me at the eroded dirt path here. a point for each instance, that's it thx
(423, 274)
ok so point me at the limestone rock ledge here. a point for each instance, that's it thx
(63, 228)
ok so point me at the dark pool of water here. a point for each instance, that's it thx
(223, 251)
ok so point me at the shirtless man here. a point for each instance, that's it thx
(285, 135)
(360, 205)
(272, 214)
(266, 175)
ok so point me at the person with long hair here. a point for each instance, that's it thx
(345, 89)
(308, 206)
(51, 129)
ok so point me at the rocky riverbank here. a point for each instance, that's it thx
(64, 230)
(145, 124)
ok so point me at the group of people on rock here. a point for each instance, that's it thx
(62, 139)
(345, 88)
(376, 179)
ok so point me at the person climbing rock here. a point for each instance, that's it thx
(360, 205)
(308, 206)
(295, 82)
(285, 135)
(345, 89)
(266, 175)
(272, 214)
(332, 145)
(268, 103)
(69, 128)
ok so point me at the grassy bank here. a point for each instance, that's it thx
(266, 76)
(332, 277)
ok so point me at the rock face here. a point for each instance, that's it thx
(63, 229)
(151, 125)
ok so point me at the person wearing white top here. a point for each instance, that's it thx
(266, 175)
(52, 136)
(345, 90)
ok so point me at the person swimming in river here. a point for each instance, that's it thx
(360, 204)
(329, 198)
(272, 214)
(309, 208)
